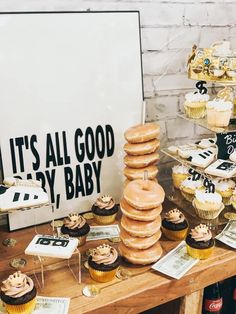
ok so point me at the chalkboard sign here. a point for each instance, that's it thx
(226, 143)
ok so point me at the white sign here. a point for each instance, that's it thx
(71, 84)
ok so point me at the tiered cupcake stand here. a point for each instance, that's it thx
(204, 72)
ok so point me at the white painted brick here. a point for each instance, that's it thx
(210, 14)
(203, 132)
(179, 128)
(210, 35)
(183, 37)
(169, 62)
(148, 86)
(232, 36)
(155, 38)
(173, 82)
(162, 107)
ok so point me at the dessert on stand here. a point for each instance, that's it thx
(203, 178)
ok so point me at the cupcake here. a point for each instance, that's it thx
(195, 105)
(174, 225)
(225, 188)
(219, 112)
(199, 242)
(179, 174)
(18, 294)
(103, 263)
(76, 226)
(104, 210)
(233, 199)
(189, 186)
(208, 205)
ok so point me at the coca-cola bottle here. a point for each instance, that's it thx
(212, 299)
(234, 294)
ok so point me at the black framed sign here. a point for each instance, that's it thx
(71, 83)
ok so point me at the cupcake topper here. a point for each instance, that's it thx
(143, 112)
(73, 217)
(226, 93)
(104, 249)
(210, 187)
(202, 89)
(106, 198)
(194, 175)
(202, 229)
(16, 279)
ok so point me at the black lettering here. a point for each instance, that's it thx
(97, 171)
(59, 158)
(13, 157)
(79, 152)
(51, 182)
(79, 182)
(34, 151)
(19, 144)
(110, 140)
(88, 172)
(89, 143)
(70, 190)
(50, 154)
(100, 142)
(41, 177)
(66, 156)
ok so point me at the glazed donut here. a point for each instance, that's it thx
(142, 148)
(133, 174)
(140, 228)
(127, 181)
(141, 257)
(137, 214)
(144, 194)
(137, 242)
(141, 161)
(142, 133)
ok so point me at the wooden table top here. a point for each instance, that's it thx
(145, 289)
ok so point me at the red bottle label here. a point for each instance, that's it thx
(234, 296)
(213, 305)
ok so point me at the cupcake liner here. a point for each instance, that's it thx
(189, 197)
(175, 235)
(178, 178)
(105, 220)
(102, 276)
(82, 240)
(26, 308)
(233, 203)
(199, 253)
(226, 200)
(207, 214)
(218, 118)
(195, 112)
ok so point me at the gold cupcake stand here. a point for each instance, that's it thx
(204, 64)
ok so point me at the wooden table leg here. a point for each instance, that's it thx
(191, 303)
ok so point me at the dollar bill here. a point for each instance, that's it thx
(228, 234)
(103, 232)
(176, 263)
(46, 305)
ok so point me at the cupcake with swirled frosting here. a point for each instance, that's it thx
(104, 210)
(76, 226)
(195, 104)
(225, 188)
(208, 205)
(175, 225)
(18, 294)
(199, 242)
(103, 263)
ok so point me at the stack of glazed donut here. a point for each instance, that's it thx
(141, 222)
(140, 149)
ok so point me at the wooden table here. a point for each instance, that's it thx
(144, 290)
